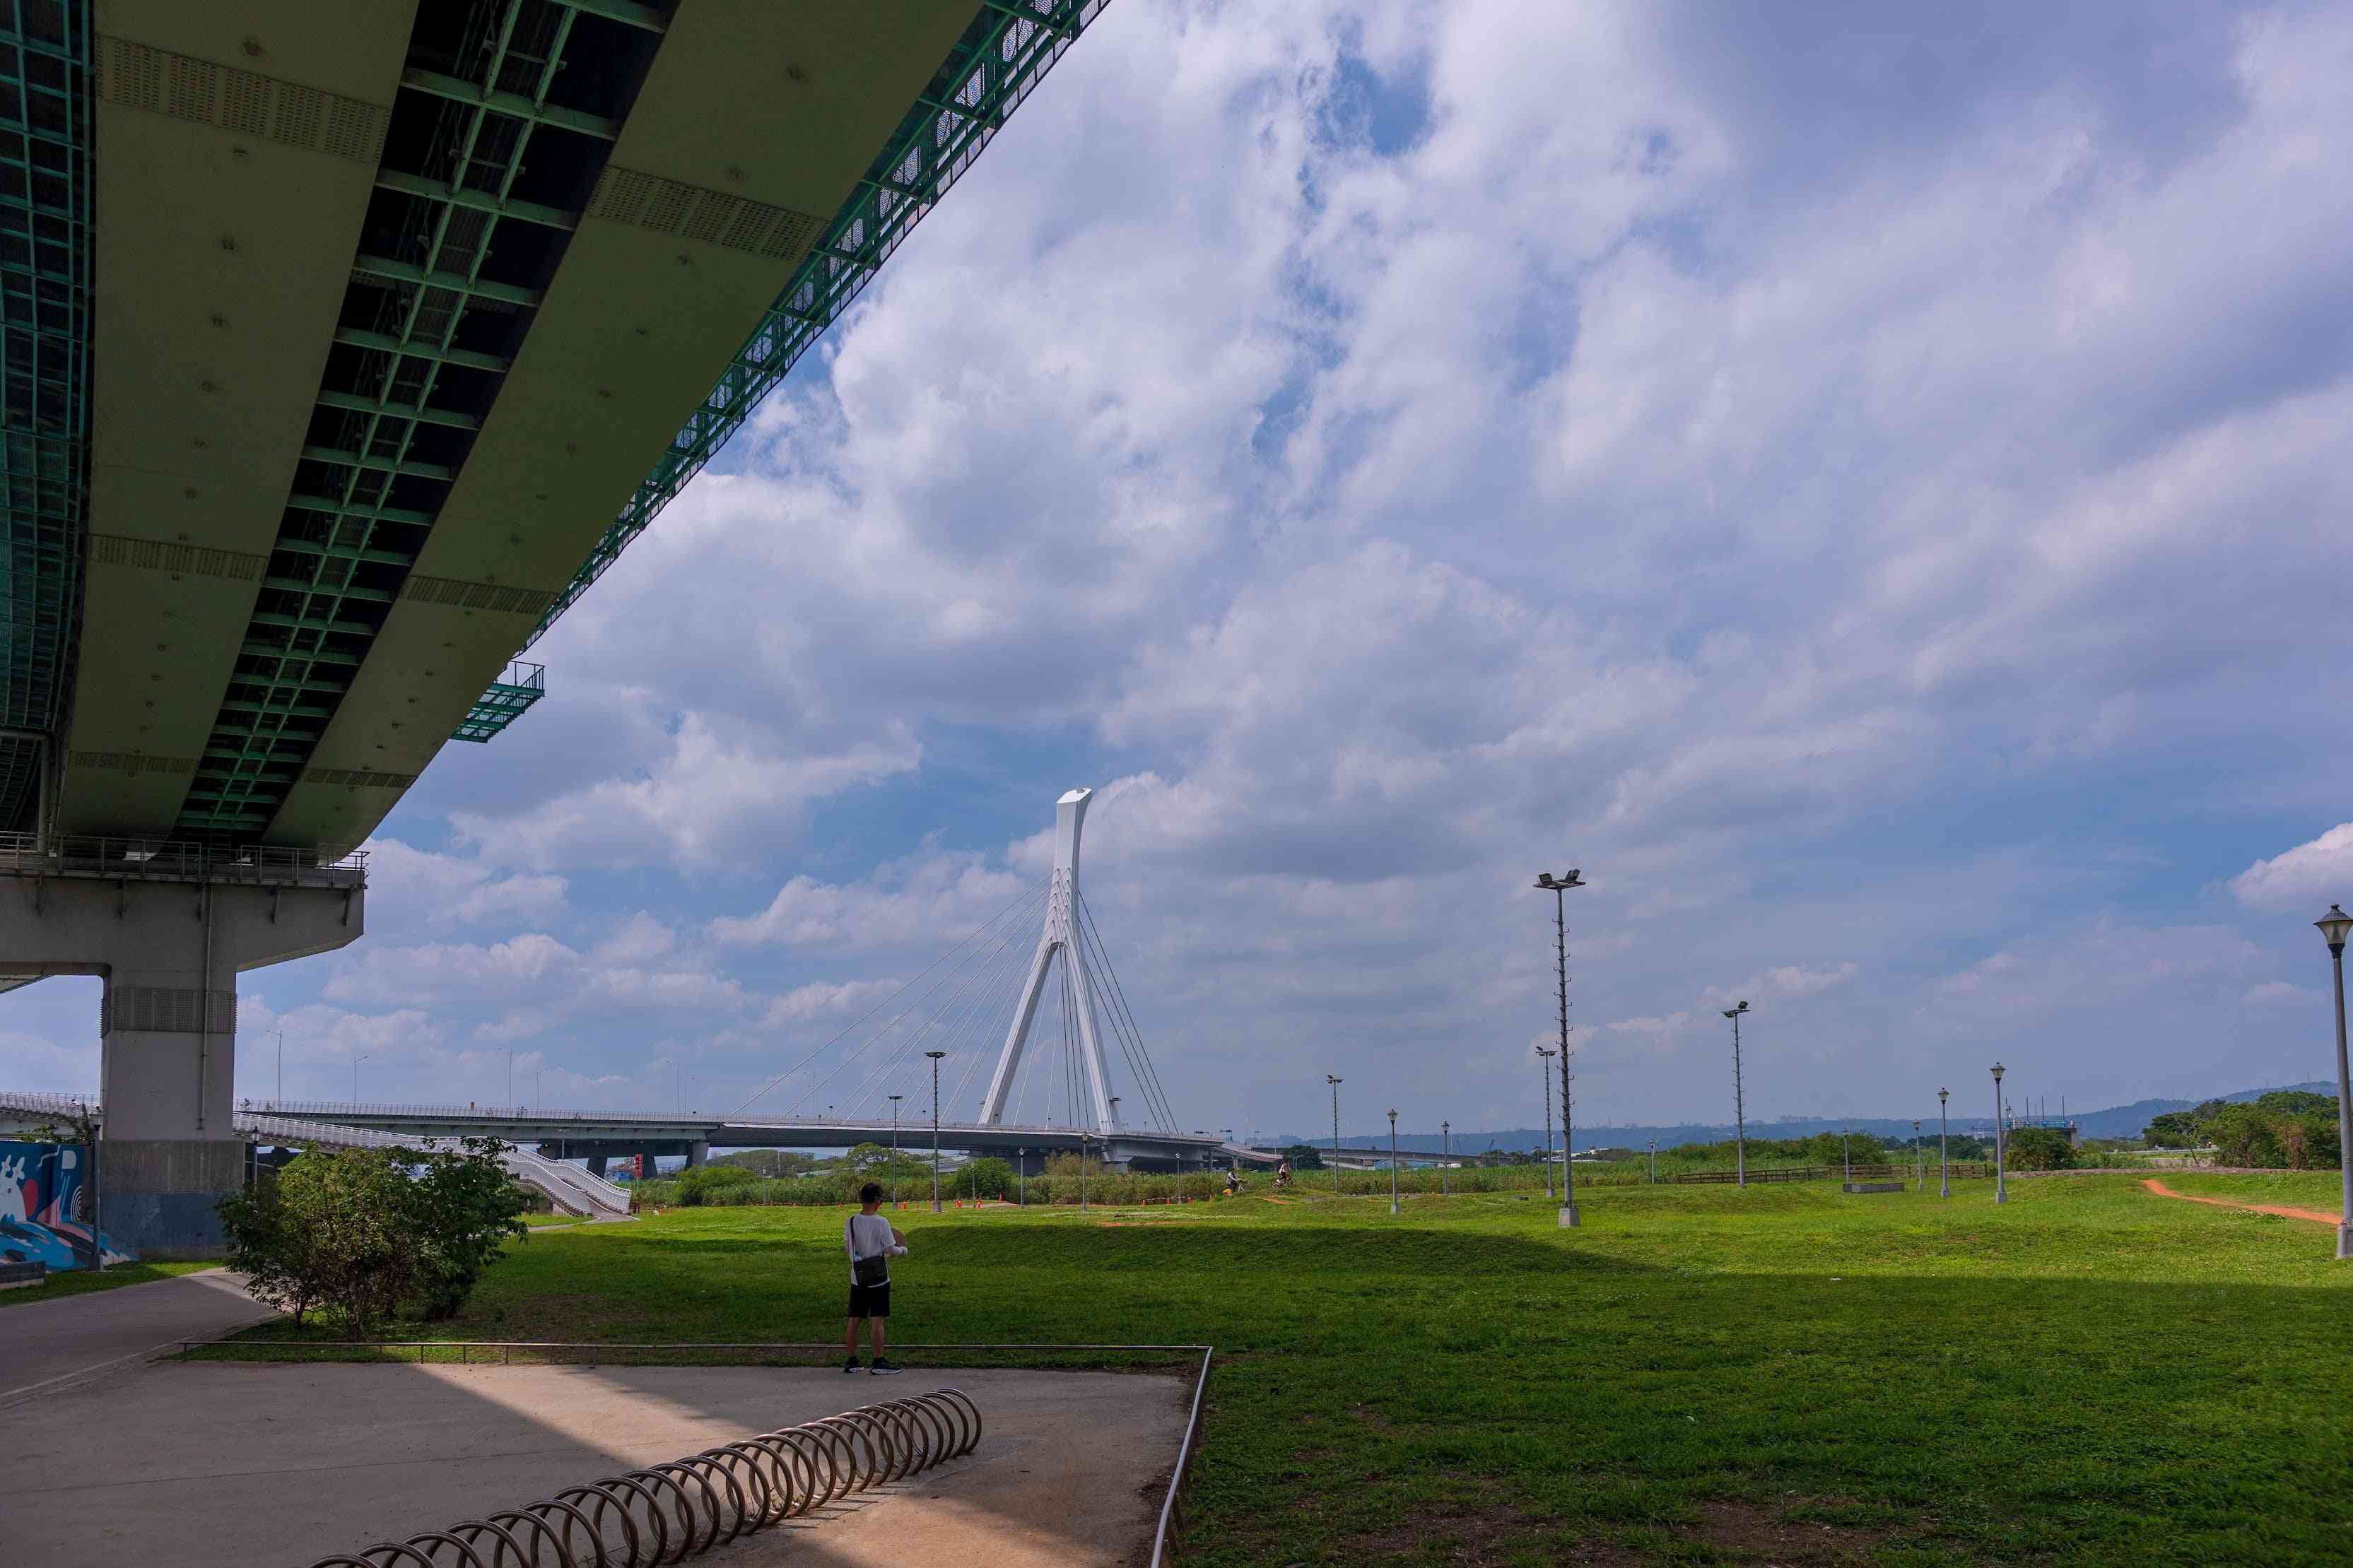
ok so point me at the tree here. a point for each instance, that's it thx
(1304, 1157)
(2173, 1130)
(2246, 1135)
(699, 1184)
(359, 1232)
(985, 1178)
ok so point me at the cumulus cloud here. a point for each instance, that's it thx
(2306, 878)
(1771, 478)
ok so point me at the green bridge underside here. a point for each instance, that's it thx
(500, 140)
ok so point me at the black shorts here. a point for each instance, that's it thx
(870, 1300)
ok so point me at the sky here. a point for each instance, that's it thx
(1867, 487)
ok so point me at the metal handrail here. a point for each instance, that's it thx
(332, 1110)
(179, 860)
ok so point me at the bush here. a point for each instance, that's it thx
(360, 1232)
(2039, 1149)
(699, 1184)
(985, 1178)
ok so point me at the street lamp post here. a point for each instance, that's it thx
(1083, 1170)
(1335, 1133)
(935, 1056)
(1919, 1159)
(1393, 1166)
(894, 1146)
(2000, 1143)
(1740, 1104)
(1544, 1076)
(1445, 1154)
(355, 1078)
(1846, 1157)
(281, 1069)
(2334, 926)
(1944, 1166)
(1021, 1171)
(1557, 886)
(1654, 1161)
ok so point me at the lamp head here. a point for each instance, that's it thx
(1997, 1072)
(1551, 883)
(2334, 925)
(1329, 1079)
(1735, 1012)
(1941, 1094)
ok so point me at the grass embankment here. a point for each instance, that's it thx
(81, 1281)
(2090, 1374)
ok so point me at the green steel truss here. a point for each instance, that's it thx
(45, 191)
(489, 140)
(507, 700)
(1005, 52)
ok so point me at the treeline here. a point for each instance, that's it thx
(2288, 1130)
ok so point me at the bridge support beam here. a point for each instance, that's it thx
(170, 952)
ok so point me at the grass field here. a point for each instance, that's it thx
(2090, 1374)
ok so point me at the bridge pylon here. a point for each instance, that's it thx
(1061, 937)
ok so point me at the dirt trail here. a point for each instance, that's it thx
(2161, 1190)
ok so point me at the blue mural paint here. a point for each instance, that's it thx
(45, 1207)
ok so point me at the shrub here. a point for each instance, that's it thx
(359, 1232)
(699, 1184)
(2039, 1149)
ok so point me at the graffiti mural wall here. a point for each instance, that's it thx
(45, 1207)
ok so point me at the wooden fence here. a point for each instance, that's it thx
(1959, 1168)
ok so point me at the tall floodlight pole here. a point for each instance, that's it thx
(281, 1069)
(1544, 1076)
(2000, 1144)
(1943, 1132)
(1335, 1133)
(1445, 1153)
(1740, 1104)
(935, 1056)
(1393, 1166)
(1919, 1159)
(2334, 926)
(894, 1146)
(355, 1078)
(1557, 886)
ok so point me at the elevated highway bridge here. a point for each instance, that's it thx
(347, 342)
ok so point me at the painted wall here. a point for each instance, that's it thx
(44, 1207)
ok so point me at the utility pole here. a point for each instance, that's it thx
(935, 1056)
(1335, 1133)
(1543, 1073)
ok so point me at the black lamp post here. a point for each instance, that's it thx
(2334, 927)
(1739, 1106)
(1445, 1153)
(1335, 1133)
(1557, 887)
(1544, 1076)
(1944, 1166)
(2000, 1143)
(1393, 1166)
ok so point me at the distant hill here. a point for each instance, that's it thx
(2115, 1121)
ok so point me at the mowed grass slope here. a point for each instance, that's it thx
(2091, 1373)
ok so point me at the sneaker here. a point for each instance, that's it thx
(849, 1366)
(884, 1369)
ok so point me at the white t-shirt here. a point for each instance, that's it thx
(868, 1236)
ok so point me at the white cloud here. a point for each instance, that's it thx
(2279, 993)
(2304, 878)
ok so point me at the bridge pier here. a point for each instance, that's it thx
(597, 1165)
(169, 950)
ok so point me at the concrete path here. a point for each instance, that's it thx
(45, 1345)
(209, 1463)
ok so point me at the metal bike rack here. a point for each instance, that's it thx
(667, 1514)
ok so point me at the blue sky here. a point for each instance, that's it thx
(1872, 497)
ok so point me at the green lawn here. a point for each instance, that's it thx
(2090, 1374)
(81, 1281)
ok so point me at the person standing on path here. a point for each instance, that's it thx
(871, 1243)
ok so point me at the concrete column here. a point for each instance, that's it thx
(169, 953)
(697, 1155)
(597, 1165)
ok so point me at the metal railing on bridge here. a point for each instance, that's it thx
(910, 1128)
(177, 860)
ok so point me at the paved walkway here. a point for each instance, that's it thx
(2283, 1210)
(197, 1464)
(47, 1345)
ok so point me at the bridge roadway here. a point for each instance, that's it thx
(601, 1135)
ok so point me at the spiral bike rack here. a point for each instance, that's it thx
(667, 1514)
